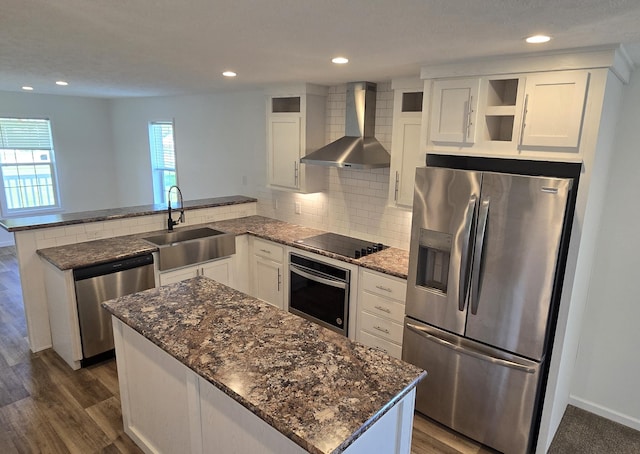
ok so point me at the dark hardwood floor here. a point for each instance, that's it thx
(46, 407)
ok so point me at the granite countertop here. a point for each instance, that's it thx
(61, 219)
(390, 261)
(315, 386)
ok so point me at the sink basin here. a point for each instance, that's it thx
(178, 236)
(188, 247)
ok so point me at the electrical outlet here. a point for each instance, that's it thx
(244, 180)
(298, 208)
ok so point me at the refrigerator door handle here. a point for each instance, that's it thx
(464, 260)
(483, 216)
(424, 332)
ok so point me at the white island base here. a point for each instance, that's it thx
(168, 408)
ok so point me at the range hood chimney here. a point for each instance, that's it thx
(358, 149)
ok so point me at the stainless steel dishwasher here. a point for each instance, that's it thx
(95, 284)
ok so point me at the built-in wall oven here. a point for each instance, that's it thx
(319, 292)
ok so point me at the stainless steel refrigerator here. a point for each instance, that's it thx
(482, 268)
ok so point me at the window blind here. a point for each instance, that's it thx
(27, 168)
(25, 134)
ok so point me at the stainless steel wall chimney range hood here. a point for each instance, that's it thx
(358, 149)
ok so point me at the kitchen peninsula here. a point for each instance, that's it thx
(39, 232)
(235, 363)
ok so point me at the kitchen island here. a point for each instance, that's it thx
(205, 368)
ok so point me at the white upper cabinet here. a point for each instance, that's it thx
(553, 109)
(530, 115)
(295, 127)
(405, 144)
(454, 111)
(286, 144)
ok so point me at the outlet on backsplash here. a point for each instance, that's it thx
(298, 206)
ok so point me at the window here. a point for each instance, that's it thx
(27, 166)
(163, 159)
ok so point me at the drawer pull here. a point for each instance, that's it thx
(265, 251)
(381, 329)
(383, 309)
(383, 288)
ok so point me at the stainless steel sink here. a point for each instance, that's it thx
(187, 247)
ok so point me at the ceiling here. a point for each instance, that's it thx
(119, 48)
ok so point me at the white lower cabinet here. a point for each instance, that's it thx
(153, 392)
(381, 311)
(220, 270)
(267, 268)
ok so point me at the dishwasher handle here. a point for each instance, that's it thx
(116, 266)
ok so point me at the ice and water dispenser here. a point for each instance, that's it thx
(434, 255)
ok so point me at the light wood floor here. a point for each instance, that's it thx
(47, 407)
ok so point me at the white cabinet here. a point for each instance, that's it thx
(530, 115)
(405, 145)
(220, 270)
(241, 278)
(295, 127)
(154, 392)
(553, 109)
(381, 311)
(454, 110)
(268, 272)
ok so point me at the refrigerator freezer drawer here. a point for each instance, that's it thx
(483, 393)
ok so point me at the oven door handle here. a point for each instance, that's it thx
(316, 278)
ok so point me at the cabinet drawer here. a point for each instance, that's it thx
(382, 285)
(268, 250)
(370, 340)
(381, 327)
(384, 307)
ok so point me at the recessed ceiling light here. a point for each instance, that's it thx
(27, 88)
(340, 60)
(538, 39)
(229, 74)
(62, 83)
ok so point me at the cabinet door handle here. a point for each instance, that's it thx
(525, 109)
(383, 288)
(469, 117)
(381, 329)
(295, 172)
(383, 309)
(395, 194)
(279, 279)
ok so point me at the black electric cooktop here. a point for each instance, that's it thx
(343, 245)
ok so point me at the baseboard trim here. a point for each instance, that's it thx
(7, 243)
(605, 412)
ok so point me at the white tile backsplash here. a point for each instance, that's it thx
(355, 202)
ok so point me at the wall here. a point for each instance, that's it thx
(607, 371)
(355, 202)
(218, 140)
(81, 132)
